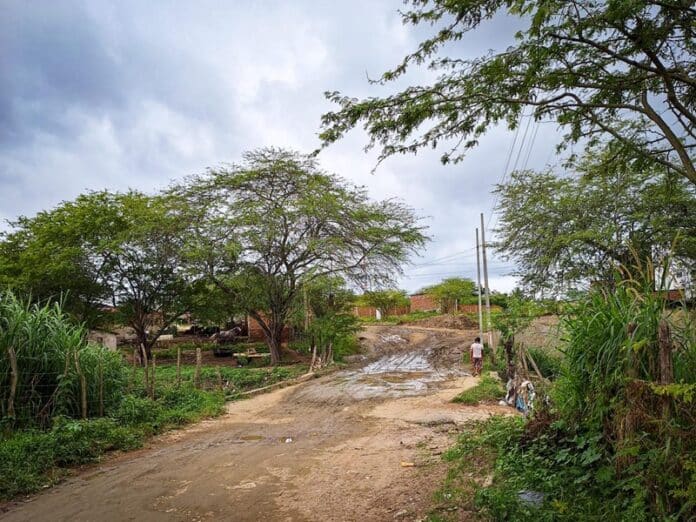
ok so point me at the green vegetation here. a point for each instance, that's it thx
(451, 292)
(614, 442)
(65, 402)
(488, 389)
(31, 459)
(601, 70)
(386, 301)
(400, 319)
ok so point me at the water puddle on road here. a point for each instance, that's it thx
(396, 375)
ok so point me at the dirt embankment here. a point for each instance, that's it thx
(360, 444)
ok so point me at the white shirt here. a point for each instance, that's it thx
(477, 350)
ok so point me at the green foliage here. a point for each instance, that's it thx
(277, 221)
(621, 70)
(564, 231)
(48, 350)
(549, 364)
(518, 314)
(31, 459)
(488, 389)
(453, 290)
(385, 300)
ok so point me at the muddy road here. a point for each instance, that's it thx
(359, 444)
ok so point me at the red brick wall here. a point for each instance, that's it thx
(423, 303)
(256, 333)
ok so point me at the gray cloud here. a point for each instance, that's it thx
(100, 94)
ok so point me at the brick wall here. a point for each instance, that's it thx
(423, 303)
(256, 333)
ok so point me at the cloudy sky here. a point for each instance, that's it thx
(126, 94)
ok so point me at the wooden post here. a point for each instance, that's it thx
(14, 377)
(135, 362)
(83, 384)
(536, 368)
(154, 373)
(665, 341)
(219, 377)
(146, 371)
(197, 374)
(178, 365)
(101, 387)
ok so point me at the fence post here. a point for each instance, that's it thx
(154, 374)
(135, 362)
(83, 384)
(101, 388)
(178, 365)
(14, 377)
(146, 380)
(197, 374)
(219, 377)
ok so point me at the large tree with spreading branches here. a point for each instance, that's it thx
(263, 228)
(624, 70)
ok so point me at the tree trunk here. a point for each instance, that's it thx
(509, 356)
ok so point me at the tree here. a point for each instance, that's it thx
(518, 315)
(262, 228)
(123, 249)
(452, 292)
(332, 326)
(386, 300)
(565, 232)
(618, 69)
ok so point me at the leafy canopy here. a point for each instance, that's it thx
(261, 229)
(618, 69)
(453, 289)
(566, 231)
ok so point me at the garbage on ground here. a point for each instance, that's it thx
(520, 395)
(288, 440)
(531, 498)
(405, 464)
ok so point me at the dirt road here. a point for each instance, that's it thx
(361, 444)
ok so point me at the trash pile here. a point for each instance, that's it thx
(520, 394)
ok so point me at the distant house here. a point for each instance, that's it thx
(681, 281)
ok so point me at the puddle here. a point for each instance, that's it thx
(396, 375)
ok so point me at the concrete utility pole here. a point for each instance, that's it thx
(478, 288)
(485, 282)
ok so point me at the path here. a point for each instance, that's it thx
(333, 448)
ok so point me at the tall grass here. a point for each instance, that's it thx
(49, 350)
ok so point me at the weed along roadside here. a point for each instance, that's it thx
(74, 403)
(610, 435)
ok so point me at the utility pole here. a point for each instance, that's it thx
(478, 288)
(488, 296)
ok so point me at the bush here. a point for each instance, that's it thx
(549, 365)
(49, 349)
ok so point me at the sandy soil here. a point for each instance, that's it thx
(360, 444)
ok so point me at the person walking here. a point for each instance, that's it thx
(476, 352)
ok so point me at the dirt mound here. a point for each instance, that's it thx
(456, 322)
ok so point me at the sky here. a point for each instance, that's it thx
(130, 94)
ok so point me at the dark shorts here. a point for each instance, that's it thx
(478, 362)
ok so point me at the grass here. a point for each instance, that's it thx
(235, 380)
(399, 319)
(488, 389)
(33, 459)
